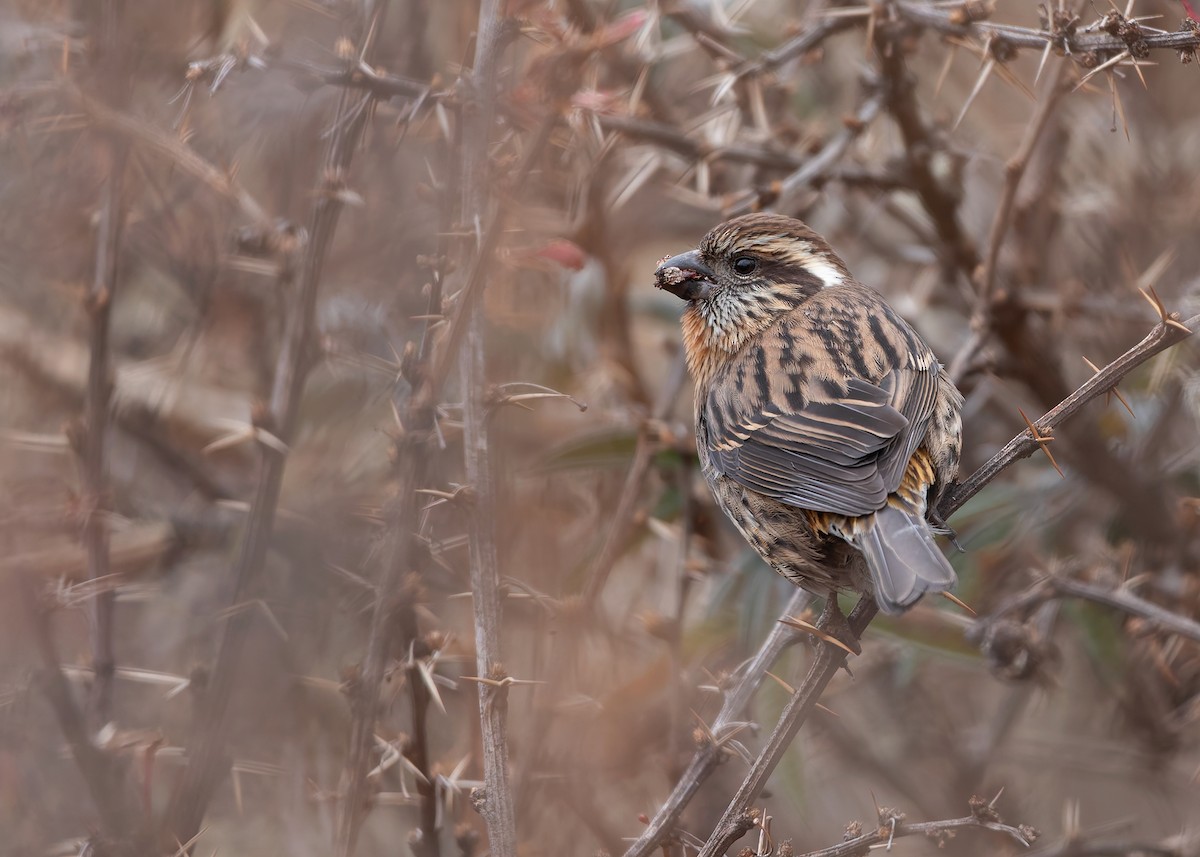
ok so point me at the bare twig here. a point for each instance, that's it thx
(1119, 598)
(800, 44)
(129, 551)
(1014, 171)
(649, 440)
(670, 137)
(97, 402)
(821, 163)
(921, 143)
(177, 152)
(207, 760)
(893, 826)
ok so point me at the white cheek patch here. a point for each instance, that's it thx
(825, 272)
(818, 265)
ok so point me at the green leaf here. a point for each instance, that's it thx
(603, 449)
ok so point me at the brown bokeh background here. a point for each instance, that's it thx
(1090, 728)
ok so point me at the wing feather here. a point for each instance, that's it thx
(840, 455)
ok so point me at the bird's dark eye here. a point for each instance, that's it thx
(744, 266)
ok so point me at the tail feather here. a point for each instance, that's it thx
(903, 559)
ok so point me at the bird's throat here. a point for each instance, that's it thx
(708, 345)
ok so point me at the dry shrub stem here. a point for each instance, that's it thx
(170, 148)
(1014, 171)
(496, 804)
(435, 358)
(207, 760)
(711, 753)
(821, 164)
(97, 403)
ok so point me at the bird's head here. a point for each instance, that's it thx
(745, 273)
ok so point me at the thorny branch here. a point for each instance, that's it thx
(921, 147)
(393, 601)
(736, 821)
(177, 152)
(495, 803)
(1064, 36)
(96, 403)
(1014, 171)
(783, 194)
(120, 822)
(1165, 334)
(710, 754)
(427, 372)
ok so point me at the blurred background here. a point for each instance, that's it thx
(207, 204)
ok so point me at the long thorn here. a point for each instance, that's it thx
(816, 632)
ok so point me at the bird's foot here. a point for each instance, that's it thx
(832, 624)
(941, 528)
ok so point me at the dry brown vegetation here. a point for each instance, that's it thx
(347, 487)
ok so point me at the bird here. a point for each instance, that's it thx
(824, 422)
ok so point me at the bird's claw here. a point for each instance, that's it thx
(832, 622)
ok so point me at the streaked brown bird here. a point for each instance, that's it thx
(822, 418)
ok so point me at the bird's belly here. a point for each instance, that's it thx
(782, 536)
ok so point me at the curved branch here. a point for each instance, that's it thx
(1166, 333)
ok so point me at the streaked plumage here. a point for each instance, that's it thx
(822, 418)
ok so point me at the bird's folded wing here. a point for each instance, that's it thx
(841, 454)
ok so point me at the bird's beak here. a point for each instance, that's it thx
(686, 276)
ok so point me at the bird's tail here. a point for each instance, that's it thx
(903, 559)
